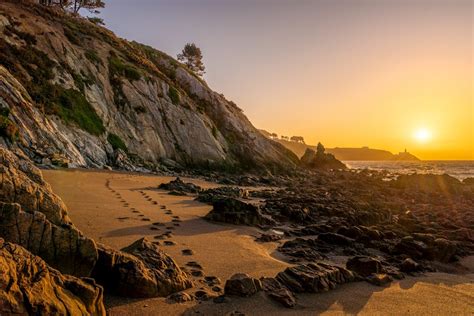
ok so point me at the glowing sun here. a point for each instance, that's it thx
(422, 135)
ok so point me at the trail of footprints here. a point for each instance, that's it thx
(192, 268)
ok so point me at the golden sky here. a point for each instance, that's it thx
(347, 73)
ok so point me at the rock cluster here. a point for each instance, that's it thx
(139, 270)
(28, 286)
(212, 195)
(179, 187)
(238, 212)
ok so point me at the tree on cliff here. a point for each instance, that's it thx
(191, 56)
(76, 5)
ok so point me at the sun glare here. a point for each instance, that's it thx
(422, 135)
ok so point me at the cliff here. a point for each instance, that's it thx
(72, 93)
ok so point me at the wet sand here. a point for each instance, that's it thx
(118, 208)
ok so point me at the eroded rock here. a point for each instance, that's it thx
(29, 286)
(139, 270)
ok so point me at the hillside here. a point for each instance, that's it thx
(72, 93)
(363, 153)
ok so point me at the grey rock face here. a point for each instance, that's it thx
(197, 127)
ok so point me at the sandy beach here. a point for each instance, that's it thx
(118, 208)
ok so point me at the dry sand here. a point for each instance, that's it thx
(119, 208)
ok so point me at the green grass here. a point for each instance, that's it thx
(174, 95)
(118, 68)
(72, 106)
(92, 56)
(116, 142)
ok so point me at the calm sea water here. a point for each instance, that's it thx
(456, 168)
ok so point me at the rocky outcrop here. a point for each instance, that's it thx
(241, 284)
(139, 270)
(32, 216)
(75, 90)
(215, 194)
(178, 186)
(235, 211)
(320, 160)
(314, 277)
(28, 286)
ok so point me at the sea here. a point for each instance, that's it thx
(459, 169)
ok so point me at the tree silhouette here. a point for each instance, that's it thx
(191, 56)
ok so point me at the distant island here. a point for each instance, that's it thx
(298, 146)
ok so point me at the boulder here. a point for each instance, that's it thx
(409, 265)
(364, 266)
(241, 284)
(379, 279)
(28, 286)
(32, 216)
(235, 211)
(277, 291)
(139, 270)
(314, 277)
(180, 187)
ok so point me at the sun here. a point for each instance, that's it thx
(422, 135)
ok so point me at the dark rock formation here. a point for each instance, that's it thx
(179, 187)
(314, 277)
(32, 216)
(28, 286)
(216, 194)
(277, 291)
(139, 270)
(235, 211)
(364, 266)
(320, 159)
(379, 279)
(241, 284)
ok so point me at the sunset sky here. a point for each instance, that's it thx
(385, 74)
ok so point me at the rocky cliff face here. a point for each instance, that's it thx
(71, 92)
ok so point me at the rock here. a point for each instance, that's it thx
(379, 279)
(275, 290)
(29, 286)
(336, 239)
(180, 187)
(139, 270)
(314, 277)
(307, 249)
(364, 266)
(269, 238)
(320, 160)
(409, 265)
(180, 297)
(411, 247)
(215, 194)
(187, 252)
(242, 285)
(234, 211)
(32, 216)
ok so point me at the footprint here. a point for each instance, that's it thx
(194, 264)
(187, 252)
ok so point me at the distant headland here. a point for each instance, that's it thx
(298, 146)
